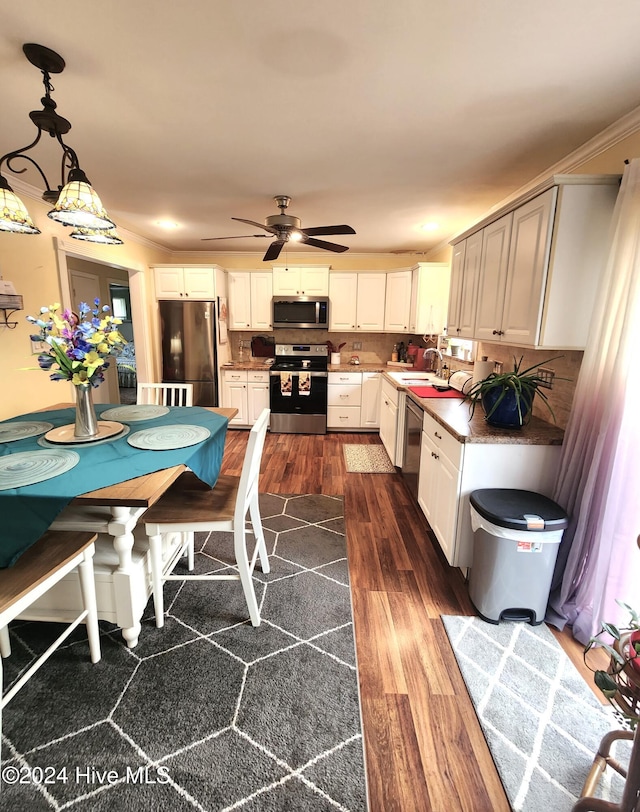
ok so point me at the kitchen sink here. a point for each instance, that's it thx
(416, 378)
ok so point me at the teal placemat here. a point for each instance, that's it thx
(27, 512)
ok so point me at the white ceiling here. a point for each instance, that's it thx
(382, 115)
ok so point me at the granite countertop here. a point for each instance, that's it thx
(454, 416)
(253, 364)
(357, 367)
(259, 364)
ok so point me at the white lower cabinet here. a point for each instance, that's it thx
(451, 470)
(257, 394)
(389, 401)
(247, 391)
(344, 393)
(370, 400)
(234, 394)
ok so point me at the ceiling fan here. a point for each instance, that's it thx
(286, 227)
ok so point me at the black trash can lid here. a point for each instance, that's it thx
(514, 509)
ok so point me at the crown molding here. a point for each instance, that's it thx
(622, 128)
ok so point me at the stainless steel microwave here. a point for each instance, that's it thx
(301, 311)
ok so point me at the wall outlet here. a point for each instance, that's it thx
(357, 345)
(38, 347)
(546, 376)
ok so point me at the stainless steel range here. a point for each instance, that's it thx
(298, 389)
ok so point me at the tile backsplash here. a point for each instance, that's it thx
(377, 348)
(566, 368)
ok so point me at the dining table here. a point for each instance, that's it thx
(119, 477)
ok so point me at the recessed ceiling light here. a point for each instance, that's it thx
(432, 226)
(168, 224)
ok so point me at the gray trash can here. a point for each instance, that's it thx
(516, 539)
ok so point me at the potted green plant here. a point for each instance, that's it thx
(507, 397)
(620, 683)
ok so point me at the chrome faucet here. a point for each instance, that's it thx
(438, 370)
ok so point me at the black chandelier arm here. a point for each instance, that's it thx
(19, 154)
(69, 160)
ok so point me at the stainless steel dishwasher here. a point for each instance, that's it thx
(412, 444)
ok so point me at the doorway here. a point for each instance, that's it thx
(89, 259)
(120, 300)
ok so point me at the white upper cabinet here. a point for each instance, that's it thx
(526, 271)
(493, 275)
(261, 294)
(184, 283)
(429, 298)
(343, 291)
(250, 300)
(239, 292)
(370, 306)
(357, 301)
(308, 280)
(398, 302)
(540, 265)
(465, 270)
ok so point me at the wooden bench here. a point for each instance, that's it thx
(45, 563)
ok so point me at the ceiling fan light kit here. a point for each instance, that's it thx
(287, 228)
(75, 202)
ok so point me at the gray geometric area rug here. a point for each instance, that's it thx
(208, 713)
(367, 459)
(541, 721)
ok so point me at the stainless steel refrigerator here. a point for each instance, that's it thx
(189, 354)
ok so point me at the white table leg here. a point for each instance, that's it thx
(129, 605)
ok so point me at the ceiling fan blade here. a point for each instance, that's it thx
(273, 251)
(253, 223)
(326, 246)
(316, 232)
(236, 237)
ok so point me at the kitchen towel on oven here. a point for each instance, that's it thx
(304, 383)
(286, 384)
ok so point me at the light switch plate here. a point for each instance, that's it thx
(38, 347)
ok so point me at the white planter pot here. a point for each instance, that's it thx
(335, 358)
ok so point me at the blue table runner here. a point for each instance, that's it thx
(27, 512)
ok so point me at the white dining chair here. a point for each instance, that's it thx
(191, 506)
(165, 394)
(38, 569)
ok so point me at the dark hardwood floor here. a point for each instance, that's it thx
(423, 743)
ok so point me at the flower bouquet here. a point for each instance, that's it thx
(79, 345)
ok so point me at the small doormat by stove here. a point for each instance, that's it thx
(541, 721)
(208, 713)
(367, 459)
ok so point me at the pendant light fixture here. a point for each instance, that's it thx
(75, 203)
(106, 237)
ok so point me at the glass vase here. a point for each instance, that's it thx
(86, 420)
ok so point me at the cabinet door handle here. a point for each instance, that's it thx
(344, 397)
(435, 433)
(498, 332)
(435, 456)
